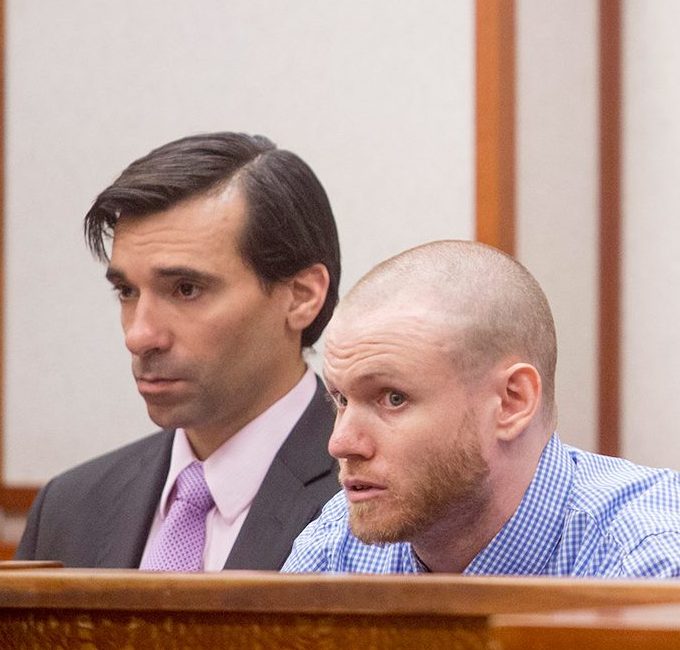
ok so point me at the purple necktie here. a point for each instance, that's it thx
(180, 541)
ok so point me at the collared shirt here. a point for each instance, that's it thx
(235, 471)
(582, 515)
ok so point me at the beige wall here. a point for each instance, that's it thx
(557, 210)
(651, 251)
(376, 96)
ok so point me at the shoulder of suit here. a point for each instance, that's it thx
(305, 451)
(154, 444)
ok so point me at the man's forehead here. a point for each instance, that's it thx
(398, 332)
(206, 223)
(203, 207)
(351, 336)
(355, 320)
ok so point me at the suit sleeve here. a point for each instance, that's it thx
(29, 540)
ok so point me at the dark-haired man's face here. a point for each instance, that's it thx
(211, 349)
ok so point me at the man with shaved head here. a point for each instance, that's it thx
(441, 364)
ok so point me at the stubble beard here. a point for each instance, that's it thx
(450, 485)
(190, 409)
(174, 411)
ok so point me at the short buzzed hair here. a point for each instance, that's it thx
(289, 222)
(495, 305)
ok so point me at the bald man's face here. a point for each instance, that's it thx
(407, 429)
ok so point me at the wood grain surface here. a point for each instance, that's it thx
(92, 609)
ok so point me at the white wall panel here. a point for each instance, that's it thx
(651, 206)
(557, 172)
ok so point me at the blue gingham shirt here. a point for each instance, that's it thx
(582, 515)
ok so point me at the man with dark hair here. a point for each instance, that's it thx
(224, 256)
(441, 362)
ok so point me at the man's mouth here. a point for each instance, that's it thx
(358, 490)
(154, 384)
(153, 378)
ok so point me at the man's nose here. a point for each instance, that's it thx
(146, 329)
(351, 435)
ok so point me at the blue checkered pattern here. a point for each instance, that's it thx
(582, 515)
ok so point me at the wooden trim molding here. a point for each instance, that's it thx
(495, 123)
(17, 500)
(610, 228)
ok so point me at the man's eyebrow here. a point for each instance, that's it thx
(187, 273)
(361, 380)
(114, 275)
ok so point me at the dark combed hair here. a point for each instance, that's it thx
(289, 222)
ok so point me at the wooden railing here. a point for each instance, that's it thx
(49, 608)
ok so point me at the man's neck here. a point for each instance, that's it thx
(450, 545)
(205, 440)
(454, 542)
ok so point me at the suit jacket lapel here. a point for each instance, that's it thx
(131, 501)
(282, 507)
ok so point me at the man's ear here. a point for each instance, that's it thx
(520, 398)
(308, 293)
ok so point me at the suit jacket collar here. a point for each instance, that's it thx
(281, 507)
(132, 504)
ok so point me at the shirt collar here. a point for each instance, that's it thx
(236, 469)
(526, 542)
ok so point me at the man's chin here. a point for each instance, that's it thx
(166, 418)
(372, 528)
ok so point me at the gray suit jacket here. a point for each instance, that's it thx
(99, 513)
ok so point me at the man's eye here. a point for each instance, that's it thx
(339, 399)
(395, 399)
(188, 290)
(123, 291)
